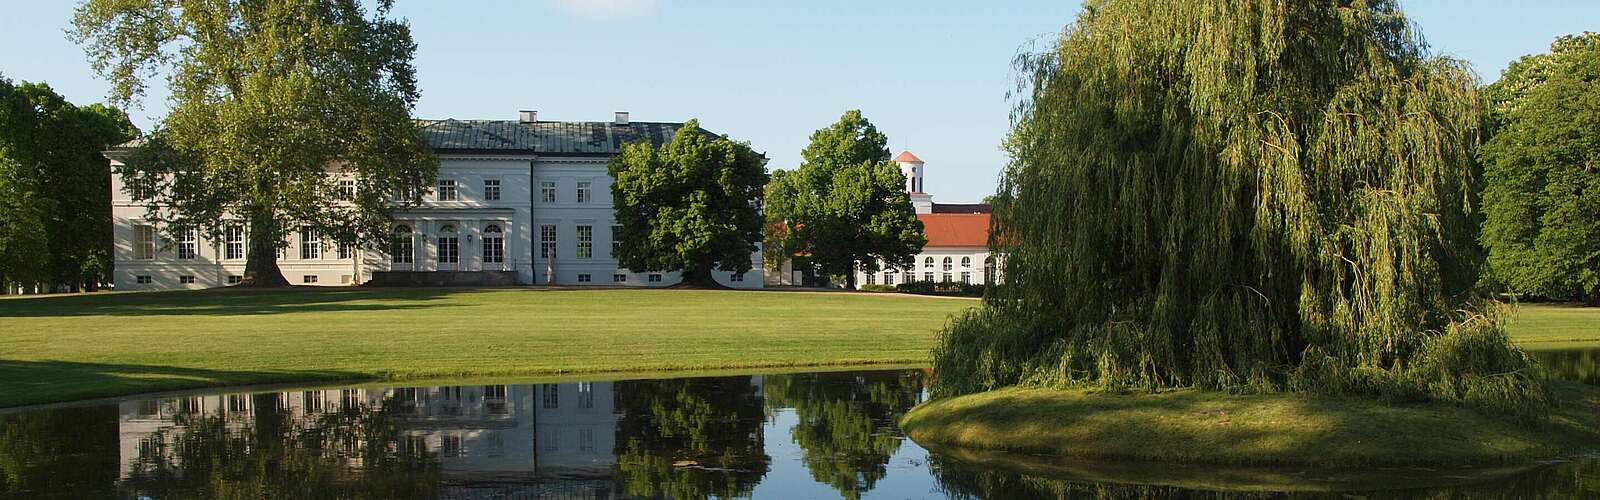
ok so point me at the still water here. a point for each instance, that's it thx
(809, 435)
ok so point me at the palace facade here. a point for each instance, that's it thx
(516, 202)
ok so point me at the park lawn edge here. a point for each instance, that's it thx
(162, 386)
(1190, 426)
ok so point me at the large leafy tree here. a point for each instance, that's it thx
(58, 228)
(1241, 194)
(690, 205)
(846, 205)
(1541, 194)
(273, 102)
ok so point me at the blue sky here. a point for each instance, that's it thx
(932, 74)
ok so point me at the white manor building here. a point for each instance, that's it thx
(958, 239)
(517, 202)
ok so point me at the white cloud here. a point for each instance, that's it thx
(605, 10)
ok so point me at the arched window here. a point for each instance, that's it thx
(948, 264)
(966, 262)
(401, 250)
(928, 262)
(988, 270)
(449, 245)
(494, 245)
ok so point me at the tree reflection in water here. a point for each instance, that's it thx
(1578, 365)
(690, 438)
(848, 422)
(70, 452)
(355, 452)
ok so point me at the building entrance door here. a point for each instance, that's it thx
(449, 248)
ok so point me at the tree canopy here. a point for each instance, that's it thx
(273, 103)
(846, 206)
(1541, 194)
(55, 224)
(1247, 195)
(690, 205)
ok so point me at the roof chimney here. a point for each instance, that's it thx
(528, 116)
(622, 118)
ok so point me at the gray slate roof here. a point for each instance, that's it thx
(542, 138)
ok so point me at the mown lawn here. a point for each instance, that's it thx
(60, 348)
(1555, 326)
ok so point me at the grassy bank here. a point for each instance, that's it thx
(61, 348)
(1189, 426)
(1554, 326)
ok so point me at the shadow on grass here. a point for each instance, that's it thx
(227, 302)
(37, 382)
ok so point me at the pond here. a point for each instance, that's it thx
(806, 435)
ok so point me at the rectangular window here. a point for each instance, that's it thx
(966, 277)
(491, 189)
(888, 278)
(186, 279)
(347, 189)
(586, 440)
(585, 395)
(401, 247)
(547, 241)
(585, 191)
(234, 280)
(547, 192)
(450, 446)
(655, 278)
(233, 242)
(927, 276)
(585, 242)
(143, 279)
(449, 249)
(736, 277)
(616, 241)
(872, 278)
(144, 242)
(552, 396)
(946, 277)
(310, 245)
(347, 250)
(447, 190)
(494, 245)
(309, 278)
(188, 244)
(585, 278)
(619, 278)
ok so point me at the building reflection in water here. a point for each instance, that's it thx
(562, 439)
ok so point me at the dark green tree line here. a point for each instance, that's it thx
(1247, 195)
(273, 103)
(846, 206)
(55, 188)
(1541, 194)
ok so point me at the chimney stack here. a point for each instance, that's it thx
(622, 118)
(528, 116)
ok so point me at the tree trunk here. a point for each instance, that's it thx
(699, 277)
(261, 264)
(850, 280)
(1593, 300)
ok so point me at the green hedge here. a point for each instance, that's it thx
(950, 288)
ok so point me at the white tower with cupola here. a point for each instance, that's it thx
(911, 166)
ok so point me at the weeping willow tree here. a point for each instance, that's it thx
(1255, 195)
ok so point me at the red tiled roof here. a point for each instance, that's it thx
(907, 156)
(956, 230)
